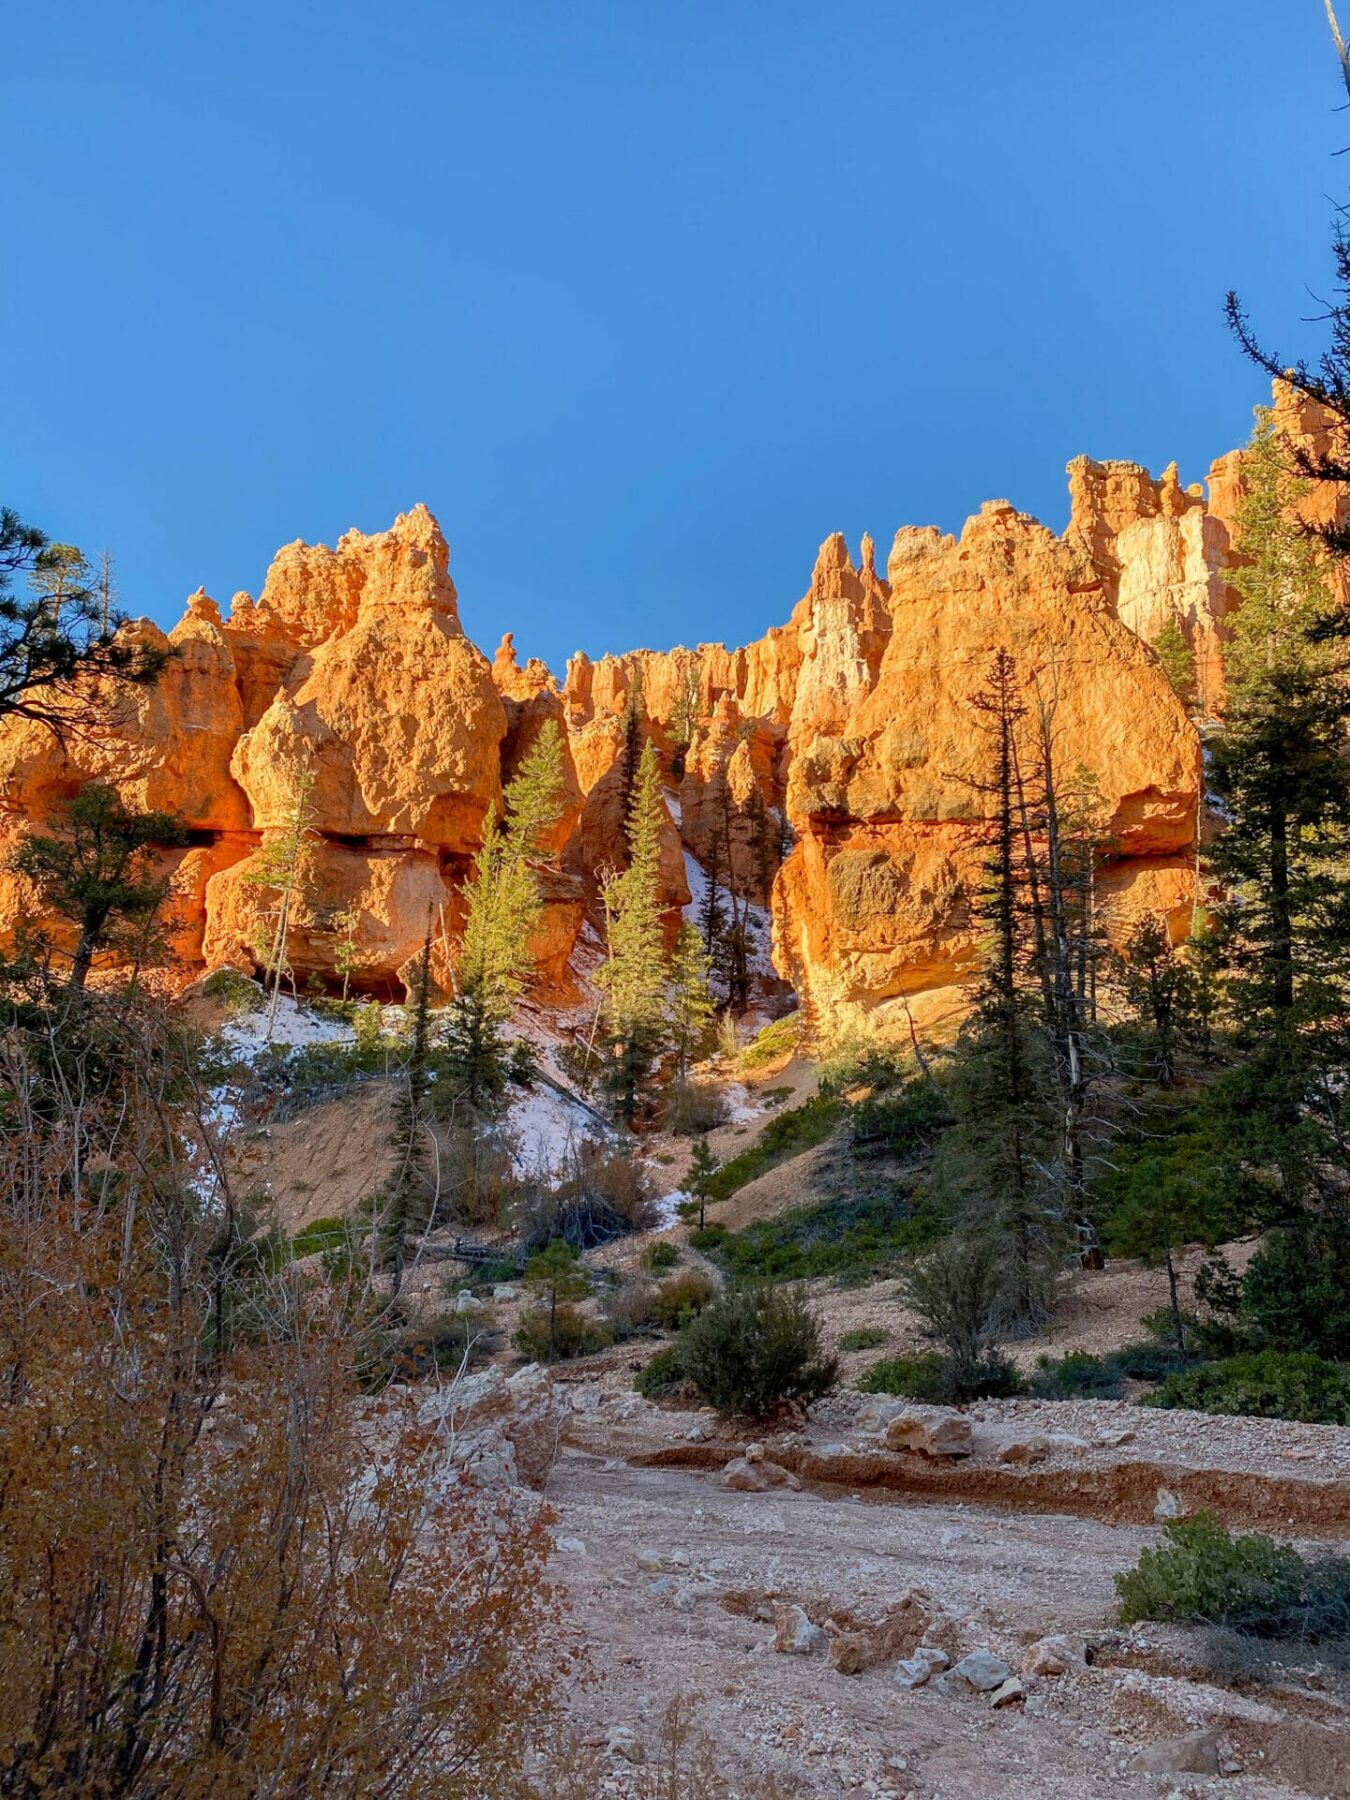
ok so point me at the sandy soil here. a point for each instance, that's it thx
(667, 1553)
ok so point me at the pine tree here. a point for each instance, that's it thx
(702, 1168)
(1178, 661)
(1001, 1083)
(691, 1004)
(406, 1203)
(346, 947)
(633, 738)
(685, 719)
(504, 908)
(1157, 984)
(1280, 767)
(280, 868)
(99, 871)
(633, 979)
(63, 657)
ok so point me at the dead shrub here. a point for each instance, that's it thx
(682, 1298)
(601, 1196)
(691, 1108)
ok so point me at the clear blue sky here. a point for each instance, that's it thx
(643, 300)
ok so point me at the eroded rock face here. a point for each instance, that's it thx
(847, 736)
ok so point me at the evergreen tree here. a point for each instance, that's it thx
(99, 872)
(633, 979)
(555, 1275)
(633, 737)
(62, 658)
(1280, 767)
(504, 908)
(280, 868)
(346, 947)
(691, 1004)
(1157, 984)
(702, 1168)
(1001, 1080)
(685, 719)
(1178, 661)
(406, 1202)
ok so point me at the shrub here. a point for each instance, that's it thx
(853, 1240)
(441, 1345)
(1293, 1295)
(786, 1135)
(1201, 1575)
(866, 1337)
(938, 1381)
(712, 1237)
(1266, 1384)
(602, 1196)
(771, 1043)
(566, 1334)
(629, 1309)
(663, 1375)
(478, 1181)
(1076, 1376)
(320, 1235)
(237, 993)
(959, 1292)
(681, 1298)
(692, 1108)
(661, 1258)
(755, 1350)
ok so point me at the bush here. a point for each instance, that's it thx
(603, 1195)
(441, 1345)
(629, 1309)
(320, 1235)
(663, 1375)
(1293, 1295)
(691, 1108)
(1201, 1575)
(771, 1043)
(936, 1380)
(852, 1240)
(1079, 1375)
(755, 1350)
(786, 1135)
(866, 1337)
(1267, 1384)
(238, 993)
(478, 1181)
(661, 1258)
(959, 1292)
(681, 1298)
(573, 1334)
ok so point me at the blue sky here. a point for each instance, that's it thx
(642, 300)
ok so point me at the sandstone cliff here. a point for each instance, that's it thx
(827, 774)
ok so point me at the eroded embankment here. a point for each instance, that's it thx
(1126, 1492)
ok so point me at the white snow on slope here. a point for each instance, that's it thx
(758, 926)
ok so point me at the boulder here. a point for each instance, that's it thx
(937, 1431)
(1192, 1753)
(504, 1431)
(982, 1670)
(751, 1474)
(794, 1634)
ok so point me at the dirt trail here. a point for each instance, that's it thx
(662, 1546)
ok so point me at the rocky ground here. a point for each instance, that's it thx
(681, 1584)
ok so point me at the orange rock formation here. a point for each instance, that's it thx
(847, 733)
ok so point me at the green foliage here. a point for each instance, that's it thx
(851, 1240)
(936, 1380)
(1178, 661)
(1202, 1575)
(99, 872)
(1293, 1295)
(238, 994)
(1265, 1384)
(279, 872)
(556, 1274)
(699, 1180)
(786, 1135)
(661, 1258)
(558, 1334)
(681, 1298)
(1077, 1376)
(662, 1375)
(633, 978)
(866, 1337)
(755, 1350)
(690, 1006)
(64, 627)
(960, 1291)
(771, 1043)
(321, 1235)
